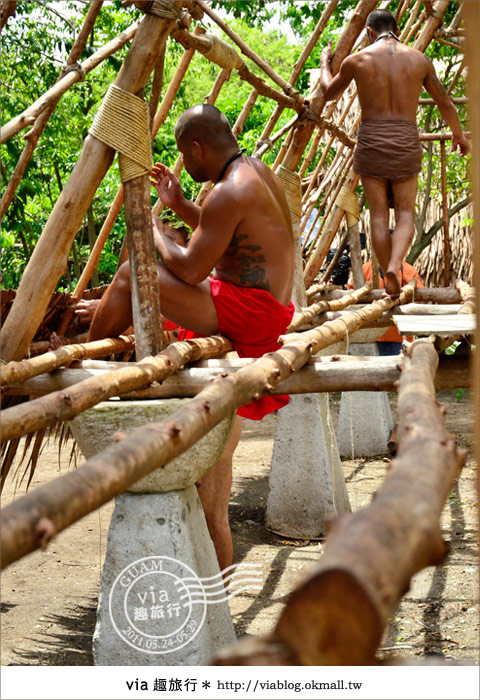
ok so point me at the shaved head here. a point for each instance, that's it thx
(205, 124)
(381, 21)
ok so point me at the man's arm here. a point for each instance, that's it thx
(170, 192)
(219, 217)
(447, 109)
(333, 87)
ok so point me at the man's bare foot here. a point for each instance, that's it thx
(392, 286)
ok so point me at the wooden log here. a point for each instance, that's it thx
(147, 316)
(431, 25)
(337, 615)
(440, 136)
(316, 258)
(468, 295)
(117, 204)
(28, 116)
(309, 313)
(41, 121)
(49, 258)
(326, 374)
(69, 498)
(455, 100)
(356, 255)
(64, 405)
(436, 295)
(26, 369)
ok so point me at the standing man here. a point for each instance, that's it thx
(390, 77)
(243, 233)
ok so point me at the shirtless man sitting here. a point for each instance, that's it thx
(390, 77)
(243, 232)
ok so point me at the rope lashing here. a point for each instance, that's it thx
(291, 184)
(122, 122)
(347, 200)
(159, 8)
(68, 67)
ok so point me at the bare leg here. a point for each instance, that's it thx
(190, 306)
(405, 192)
(376, 194)
(214, 491)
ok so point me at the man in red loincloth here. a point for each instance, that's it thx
(242, 232)
(390, 77)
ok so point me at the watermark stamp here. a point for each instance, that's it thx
(158, 604)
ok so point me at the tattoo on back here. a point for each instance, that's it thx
(252, 272)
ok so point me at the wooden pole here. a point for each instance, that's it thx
(41, 121)
(69, 498)
(117, 204)
(446, 221)
(28, 116)
(49, 258)
(337, 615)
(434, 295)
(325, 374)
(7, 9)
(334, 261)
(331, 227)
(308, 314)
(49, 361)
(64, 405)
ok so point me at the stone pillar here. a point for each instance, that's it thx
(365, 420)
(153, 607)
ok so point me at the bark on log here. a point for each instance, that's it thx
(468, 295)
(308, 314)
(326, 374)
(48, 261)
(69, 498)
(64, 405)
(338, 614)
(14, 372)
(436, 295)
(7, 9)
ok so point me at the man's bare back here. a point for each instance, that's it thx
(390, 77)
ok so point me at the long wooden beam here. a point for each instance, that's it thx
(326, 374)
(337, 615)
(436, 295)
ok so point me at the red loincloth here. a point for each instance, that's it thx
(252, 319)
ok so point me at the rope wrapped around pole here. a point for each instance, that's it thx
(123, 123)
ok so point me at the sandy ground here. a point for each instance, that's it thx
(49, 598)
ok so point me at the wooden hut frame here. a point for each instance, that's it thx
(34, 519)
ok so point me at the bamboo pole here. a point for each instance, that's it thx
(337, 615)
(447, 254)
(48, 260)
(104, 476)
(28, 116)
(41, 121)
(49, 361)
(319, 375)
(65, 405)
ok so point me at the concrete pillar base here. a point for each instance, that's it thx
(365, 420)
(307, 485)
(152, 608)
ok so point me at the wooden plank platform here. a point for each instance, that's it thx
(444, 324)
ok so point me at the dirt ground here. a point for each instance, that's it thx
(49, 598)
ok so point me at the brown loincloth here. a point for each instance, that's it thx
(388, 149)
